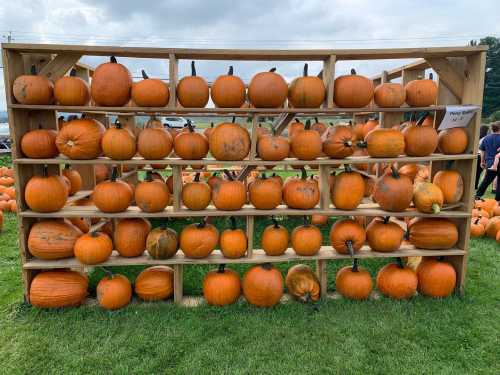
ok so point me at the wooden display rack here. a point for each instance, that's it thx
(460, 77)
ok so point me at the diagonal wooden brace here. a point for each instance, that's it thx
(453, 79)
(59, 65)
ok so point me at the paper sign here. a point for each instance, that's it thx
(457, 116)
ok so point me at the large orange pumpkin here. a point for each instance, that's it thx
(198, 240)
(192, 91)
(190, 145)
(352, 91)
(301, 193)
(273, 147)
(33, 89)
(80, 139)
(338, 142)
(306, 143)
(151, 195)
(221, 287)
(433, 233)
(263, 285)
(56, 289)
(265, 193)
(118, 143)
(420, 140)
(267, 90)
(113, 195)
(389, 95)
(154, 143)
(302, 283)
(52, 239)
(274, 240)
(354, 282)
(393, 192)
(229, 195)
(306, 91)
(436, 278)
(347, 236)
(130, 236)
(111, 84)
(383, 235)
(71, 90)
(421, 92)
(114, 292)
(348, 190)
(228, 91)
(150, 92)
(453, 141)
(155, 283)
(397, 281)
(39, 143)
(229, 141)
(93, 248)
(46, 193)
(196, 195)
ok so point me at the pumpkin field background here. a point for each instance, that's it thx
(422, 335)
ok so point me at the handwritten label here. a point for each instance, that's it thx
(458, 116)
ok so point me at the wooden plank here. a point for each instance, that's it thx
(177, 193)
(324, 186)
(60, 65)
(254, 135)
(250, 233)
(329, 79)
(173, 76)
(420, 64)
(322, 276)
(259, 256)
(448, 75)
(178, 283)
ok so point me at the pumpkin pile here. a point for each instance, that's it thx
(486, 219)
(7, 191)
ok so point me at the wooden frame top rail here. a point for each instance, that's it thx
(249, 54)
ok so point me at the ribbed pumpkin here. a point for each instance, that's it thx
(389, 95)
(228, 91)
(421, 92)
(74, 178)
(101, 172)
(71, 90)
(155, 283)
(33, 89)
(114, 292)
(59, 288)
(368, 126)
(301, 193)
(112, 195)
(233, 241)
(265, 193)
(397, 281)
(338, 142)
(393, 192)
(347, 236)
(427, 197)
(196, 195)
(162, 243)
(306, 91)
(433, 233)
(39, 143)
(348, 189)
(274, 240)
(306, 143)
(229, 195)
(154, 143)
(93, 248)
(221, 287)
(192, 91)
(273, 147)
(453, 141)
(384, 143)
(111, 84)
(420, 140)
(352, 91)
(198, 240)
(302, 283)
(263, 285)
(150, 92)
(267, 90)
(118, 143)
(354, 282)
(493, 227)
(130, 236)
(306, 239)
(80, 139)
(229, 141)
(436, 278)
(383, 235)
(151, 195)
(46, 193)
(52, 239)
(190, 145)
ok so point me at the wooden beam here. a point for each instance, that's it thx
(452, 78)
(59, 65)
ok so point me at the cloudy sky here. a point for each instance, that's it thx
(250, 24)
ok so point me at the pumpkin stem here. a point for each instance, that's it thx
(449, 163)
(45, 170)
(193, 69)
(114, 174)
(353, 71)
(263, 176)
(33, 70)
(355, 265)
(144, 75)
(230, 72)
(422, 119)
(197, 177)
(272, 70)
(394, 172)
(431, 76)
(347, 168)
(149, 176)
(316, 120)
(118, 124)
(201, 224)
(436, 208)
(477, 220)
(94, 234)
(386, 219)
(233, 222)
(305, 220)
(440, 258)
(234, 119)
(305, 69)
(211, 124)
(267, 266)
(221, 268)
(190, 126)
(304, 173)
(112, 59)
(106, 271)
(72, 72)
(399, 262)
(228, 174)
(362, 144)
(348, 243)
(275, 222)
(308, 125)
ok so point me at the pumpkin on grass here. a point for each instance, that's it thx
(228, 91)
(421, 92)
(162, 243)
(39, 143)
(436, 278)
(397, 281)
(476, 228)
(130, 236)
(267, 90)
(384, 143)
(302, 283)
(433, 233)
(338, 142)
(192, 91)
(221, 287)
(154, 143)
(151, 195)
(46, 193)
(155, 283)
(354, 282)
(111, 84)
(58, 288)
(118, 143)
(273, 147)
(150, 92)
(306, 91)
(33, 89)
(453, 141)
(113, 195)
(74, 178)
(229, 195)
(393, 192)
(352, 91)
(80, 139)
(198, 240)
(306, 143)
(493, 227)
(389, 95)
(71, 90)
(348, 189)
(487, 204)
(196, 195)
(420, 140)
(114, 291)
(428, 197)
(274, 240)
(233, 241)
(347, 236)
(383, 235)
(306, 239)
(263, 285)
(189, 145)
(229, 141)
(52, 239)
(265, 193)
(93, 248)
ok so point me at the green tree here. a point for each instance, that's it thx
(491, 97)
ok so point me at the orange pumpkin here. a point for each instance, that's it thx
(46, 193)
(114, 292)
(389, 95)
(228, 91)
(81, 223)
(221, 287)
(113, 195)
(306, 239)
(338, 142)
(354, 282)
(427, 197)
(150, 92)
(191, 145)
(352, 91)
(71, 90)
(233, 241)
(420, 140)
(301, 193)
(155, 283)
(384, 143)
(39, 143)
(493, 227)
(111, 84)
(433, 233)
(306, 143)
(151, 195)
(453, 141)
(93, 248)
(421, 92)
(196, 195)
(302, 283)
(198, 240)
(52, 239)
(265, 193)
(33, 89)
(263, 285)
(229, 141)
(397, 281)
(58, 288)
(80, 139)
(306, 91)
(267, 90)
(229, 195)
(192, 91)
(274, 240)
(393, 192)
(74, 178)
(436, 278)
(383, 235)
(118, 143)
(154, 143)
(273, 147)
(348, 190)
(347, 236)
(130, 236)
(476, 228)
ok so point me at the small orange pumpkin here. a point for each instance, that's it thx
(338, 142)
(453, 141)
(301, 193)
(151, 195)
(306, 143)
(347, 236)
(114, 292)
(436, 278)
(191, 145)
(389, 95)
(113, 195)
(118, 143)
(39, 143)
(267, 90)
(348, 190)
(421, 92)
(33, 89)
(221, 287)
(274, 240)
(263, 285)
(354, 282)
(71, 90)
(228, 91)
(306, 91)
(428, 197)
(150, 92)
(306, 239)
(198, 240)
(229, 195)
(93, 248)
(80, 139)
(233, 241)
(229, 141)
(196, 195)
(74, 178)
(130, 236)
(265, 193)
(352, 91)
(192, 91)
(383, 235)
(397, 281)
(46, 193)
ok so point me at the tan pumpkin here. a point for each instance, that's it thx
(130, 236)
(52, 239)
(306, 91)
(71, 90)
(58, 288)
(111, 84)
(33, 89)
(302, 283)
(162, 243)
(192, 91)
(80, 139)
(150, 92)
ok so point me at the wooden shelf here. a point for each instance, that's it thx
(258, 256)
(364, 209)
(256, 162)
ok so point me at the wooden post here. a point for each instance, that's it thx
(322, 276)
(329, 79)
(324, 186)
(178, 283)
(254, 135)
(173, 71)
(249, 233)
(177, 194)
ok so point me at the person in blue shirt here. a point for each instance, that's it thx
(489, 148)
